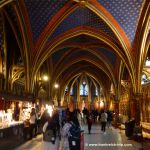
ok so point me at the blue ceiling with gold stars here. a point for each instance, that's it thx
(82, 16)
(76, 54)
(109, 55)
(126, 12)
(105, 52)
(84, 39)
(40, 12)
(57, 55)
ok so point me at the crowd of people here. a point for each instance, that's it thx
(103, 116)
(58, 129)
(61, 127)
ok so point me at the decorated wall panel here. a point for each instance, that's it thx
(124, 109)
(145, 104)
(126, 13)
(83, 102)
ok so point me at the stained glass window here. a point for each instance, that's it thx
(66, 90)
(84, 89)
(144, 79)
(96, 92)
(147, 63)
(71, 91)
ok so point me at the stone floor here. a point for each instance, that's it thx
(114, 139)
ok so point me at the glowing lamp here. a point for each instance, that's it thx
(45, 78)
(56, 85)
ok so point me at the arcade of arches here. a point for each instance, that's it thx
(76, 54)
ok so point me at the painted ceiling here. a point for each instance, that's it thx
(66, 30)
(108, 54)
(126, 12)
(41, 12)
(47, 23)
(82, 17)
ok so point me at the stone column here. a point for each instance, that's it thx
(137, 105)
(116, 112)
(132, 104)
(116, 107)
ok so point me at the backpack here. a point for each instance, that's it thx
(74, 136)
(49, 135)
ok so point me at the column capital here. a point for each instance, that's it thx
(116, 101)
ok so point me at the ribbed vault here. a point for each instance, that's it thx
(69, 38)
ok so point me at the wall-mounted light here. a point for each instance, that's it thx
(56, 85)
(101, 104)
(45, 78)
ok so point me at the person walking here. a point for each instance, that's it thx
(79, 117)
(89, 123)
(85, 114)
(103, 121)
(50, 134)
(65, 132)
(109, 119)
(33, 122)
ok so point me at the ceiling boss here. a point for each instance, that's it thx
(81, 2)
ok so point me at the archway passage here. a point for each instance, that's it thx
(76, 54)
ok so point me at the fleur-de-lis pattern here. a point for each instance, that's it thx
(41, 12)
(82, 16)
(57, 55)
(126, 12)
(108, 54)
(85, 39)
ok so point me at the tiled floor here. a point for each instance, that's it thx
(114, 139)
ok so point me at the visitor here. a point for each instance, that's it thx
(51, 134)
(33, 123)
(65, 132)
(89, 123)
(103, 121)
(109, 119)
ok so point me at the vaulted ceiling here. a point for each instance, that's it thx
(76, 36)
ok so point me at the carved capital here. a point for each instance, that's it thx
(126, 84)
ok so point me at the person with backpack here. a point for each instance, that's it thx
(65, 132)
(50, 134)
(71, 133)
(74, 133)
